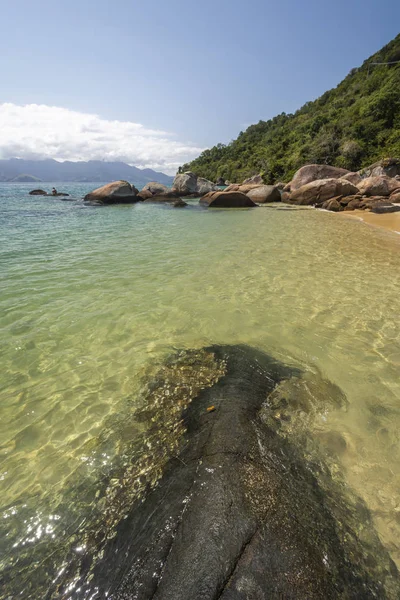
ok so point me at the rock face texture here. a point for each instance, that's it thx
(189, 184)
(157, 192)
(227, 200)
(265, 193)
(237, 513)
(395, 197)
(378, 186)
(156, 189)
(317, 192)
(117, 192)
(354, 178)
(387, 166)
(310, 173)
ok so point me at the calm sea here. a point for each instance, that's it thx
(92, 299)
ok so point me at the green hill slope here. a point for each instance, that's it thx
(351, 126)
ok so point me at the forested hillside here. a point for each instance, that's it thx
(351, 126)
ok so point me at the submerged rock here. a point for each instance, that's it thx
(238, 513)
(117, 192)
(180, 203)
(227, 200)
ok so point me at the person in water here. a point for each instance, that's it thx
(54, 191)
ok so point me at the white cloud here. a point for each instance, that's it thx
(37, 131)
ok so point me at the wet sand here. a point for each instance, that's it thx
(390, 221)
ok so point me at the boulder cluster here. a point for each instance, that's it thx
(376, 188)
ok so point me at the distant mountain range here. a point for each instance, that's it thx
(21, 170)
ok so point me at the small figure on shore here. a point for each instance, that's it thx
(54, 191)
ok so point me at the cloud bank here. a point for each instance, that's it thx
(37, 131)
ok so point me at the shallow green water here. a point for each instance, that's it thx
(91, 298)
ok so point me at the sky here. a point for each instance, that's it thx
(155, 82)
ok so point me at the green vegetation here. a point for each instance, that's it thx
(351, 126)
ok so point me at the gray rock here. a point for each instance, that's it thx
(389, 167)
(239, 513)
(189, 184)
(385, 209)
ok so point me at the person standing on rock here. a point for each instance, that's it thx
(54, 191)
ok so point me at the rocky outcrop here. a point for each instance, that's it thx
(255, 179)
(378, 204)
(385, 209)
(189, 184)
(389, 167)
(180, 203)
(264, 194)
(156, 189)
(117, 192)
(395, 197)
(317, 192)
(220, 181)
(310, 173)
(157, 192)
(378, 186)
(38, 193)
(244, 188)
(239, 513)
(226, 200)
(43, 193)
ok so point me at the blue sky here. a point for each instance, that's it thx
(198, 71)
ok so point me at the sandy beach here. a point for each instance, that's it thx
(389, 221)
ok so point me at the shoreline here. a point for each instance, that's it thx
(388, 221)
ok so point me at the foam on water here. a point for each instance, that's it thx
(92, 298)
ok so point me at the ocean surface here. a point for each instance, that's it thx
(94, 299)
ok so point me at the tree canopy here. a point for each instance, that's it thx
(351, 126)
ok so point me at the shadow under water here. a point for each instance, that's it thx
(223, 496)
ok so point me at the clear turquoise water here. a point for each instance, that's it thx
(92, 298)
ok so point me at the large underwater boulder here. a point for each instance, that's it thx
(238, 513)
